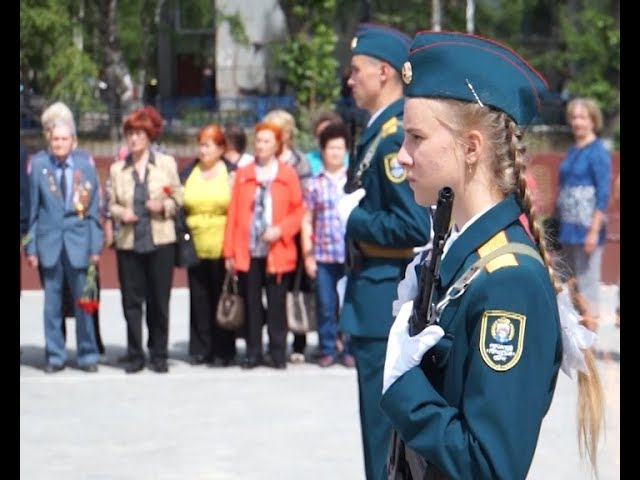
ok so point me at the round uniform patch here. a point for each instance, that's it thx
(395, 172)
(354, 42)
(501, 338)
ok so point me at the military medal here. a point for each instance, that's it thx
(52, 182)
(80, 195)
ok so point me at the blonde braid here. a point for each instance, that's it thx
(590, 411)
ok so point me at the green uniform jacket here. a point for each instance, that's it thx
(387, 216)
(475, 405)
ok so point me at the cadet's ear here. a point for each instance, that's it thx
(386, 71)
(473, 146)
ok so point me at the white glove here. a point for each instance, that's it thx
(403, 351)
(347, 203)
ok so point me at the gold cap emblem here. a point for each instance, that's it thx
(354, 42)
(407, 73)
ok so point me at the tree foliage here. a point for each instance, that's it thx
(307, 60)
(592, 57)
(574, 43)
(49, 59)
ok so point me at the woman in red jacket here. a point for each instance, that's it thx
(264, 216)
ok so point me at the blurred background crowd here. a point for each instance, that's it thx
(240, 113)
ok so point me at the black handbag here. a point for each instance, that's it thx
(186, 255)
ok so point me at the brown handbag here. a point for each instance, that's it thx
(230, 308)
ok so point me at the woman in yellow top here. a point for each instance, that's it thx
(207, 192)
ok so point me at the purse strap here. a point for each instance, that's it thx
(230, 284)
(297, 278)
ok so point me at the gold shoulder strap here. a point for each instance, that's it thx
(460, 285)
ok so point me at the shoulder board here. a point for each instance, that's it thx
(506, 260)
(389, 127)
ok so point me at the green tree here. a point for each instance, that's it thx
(307, 60)
(50, 61)
(593, 57)
(575, 44)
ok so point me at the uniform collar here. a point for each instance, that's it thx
(394, 109)
(472, 238)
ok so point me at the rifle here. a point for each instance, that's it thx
(352, 252)
(404, 463)
(351, 186)
(424, 313)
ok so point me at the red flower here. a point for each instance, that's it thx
(167, 190)
(89, 299)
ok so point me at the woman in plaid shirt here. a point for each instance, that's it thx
(322, 239)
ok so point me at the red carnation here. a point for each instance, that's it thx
(89, 299)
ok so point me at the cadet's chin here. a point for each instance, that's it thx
(422, 198)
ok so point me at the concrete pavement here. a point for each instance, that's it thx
(202, 423)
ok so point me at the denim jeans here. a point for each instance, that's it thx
(327, 307)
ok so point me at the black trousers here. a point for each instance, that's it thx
(251, 284)
(205, 336)
(146, 276)
(299, 343)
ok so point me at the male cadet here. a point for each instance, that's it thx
(383, 224)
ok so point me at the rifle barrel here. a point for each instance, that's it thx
(421, 314)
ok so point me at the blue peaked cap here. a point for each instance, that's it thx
(466, 67)
(384, 43)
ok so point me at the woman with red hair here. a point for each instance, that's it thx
(264, 217)
(144, 194)
(207, 193)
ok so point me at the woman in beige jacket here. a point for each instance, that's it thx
(145, 192)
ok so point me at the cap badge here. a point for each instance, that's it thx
(354, 42)
(407, 72)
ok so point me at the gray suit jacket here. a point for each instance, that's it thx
(51, 225)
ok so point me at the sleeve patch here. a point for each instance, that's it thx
(389, 127)
(501, 338)
(392, 168)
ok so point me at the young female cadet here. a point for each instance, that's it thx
(473, 406)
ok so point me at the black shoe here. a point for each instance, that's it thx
(126, 358)
(249, 363)
(277, 364)
(159, 366)
(198, 360)
(134, 366)
(227, 362)
(92, 368)
(50, 368)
